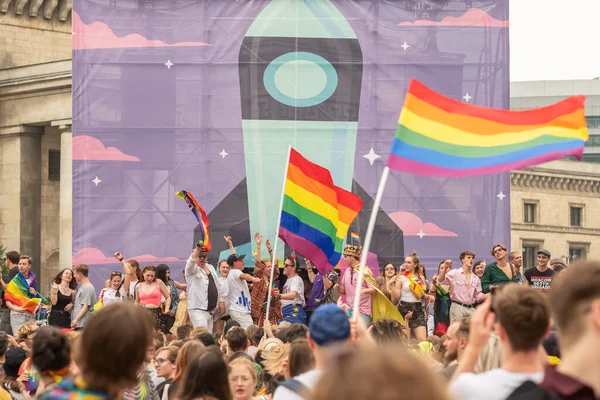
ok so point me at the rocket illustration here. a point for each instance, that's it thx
(300, 70)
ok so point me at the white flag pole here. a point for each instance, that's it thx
(287, 163)
(367, 243)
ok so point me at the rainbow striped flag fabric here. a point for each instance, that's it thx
(17, 292)
(316, 214)
(200, 215)
(439, 136)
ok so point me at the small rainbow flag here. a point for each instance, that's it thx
(17, 292)
(200, 215)
(439, 136)
(354, 236)
(316, 214)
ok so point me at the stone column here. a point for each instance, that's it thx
(66, 194)
(30, 146)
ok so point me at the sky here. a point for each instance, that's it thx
(554, 39)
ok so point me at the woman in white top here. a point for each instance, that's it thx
(114, 293)
(224, 290)
(132, 275)
(408, 289)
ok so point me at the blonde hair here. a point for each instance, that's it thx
(244, 362)
(27, 329)
(274, 357)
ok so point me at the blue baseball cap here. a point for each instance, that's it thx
(328, 325)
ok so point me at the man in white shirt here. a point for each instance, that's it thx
(239, 294)
(329, 329)
(19, 315)
(292, 298)
(521, 319)
(204, 296)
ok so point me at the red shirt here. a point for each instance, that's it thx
(565, 386)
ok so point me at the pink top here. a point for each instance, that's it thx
(349, 285)
(459, 290)
(150, 298)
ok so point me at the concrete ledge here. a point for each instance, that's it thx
(35, 78)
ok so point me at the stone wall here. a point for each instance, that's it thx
(27, 40)
(10, 204)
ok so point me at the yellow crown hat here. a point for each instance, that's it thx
(352, 250)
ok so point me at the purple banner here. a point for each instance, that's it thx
(206, 96)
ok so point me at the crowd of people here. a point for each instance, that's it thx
(495, 331)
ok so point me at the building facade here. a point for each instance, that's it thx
(554, 205)
(35, 132)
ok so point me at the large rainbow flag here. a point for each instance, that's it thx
(316, 214)
(200, 215)
(17, 292)
(439, 136)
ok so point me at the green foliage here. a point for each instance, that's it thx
(2, 262)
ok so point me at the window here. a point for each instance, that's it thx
(530, 255)
(54, 165)
(576, 215)
(593, 141)
(529, 210)
(595, 158)
(593, 122)
(576, 253)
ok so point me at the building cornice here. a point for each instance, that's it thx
(47, 8)
(541, 178)
(34, 79)
(555, 229)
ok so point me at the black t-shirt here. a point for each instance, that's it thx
(213, 293)
(539, 280)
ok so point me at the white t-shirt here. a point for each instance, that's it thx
(296, 283)
(224, 289)
(239, 294)
(496, 384)
(109, 296)
(308, 379)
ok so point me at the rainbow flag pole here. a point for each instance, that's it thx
(274, 254)
(439, 136)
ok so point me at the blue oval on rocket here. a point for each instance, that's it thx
(300, 79)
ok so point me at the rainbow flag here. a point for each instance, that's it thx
(200, 215)
(316, 214)
(354, 236)
(439, 136)
(17, 292)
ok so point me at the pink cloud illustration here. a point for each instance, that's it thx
(92, 256)
(89, 148)
(472, 17)
(412, 225)
(98, 35)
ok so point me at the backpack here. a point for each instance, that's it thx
(531, 391)
(297, 387)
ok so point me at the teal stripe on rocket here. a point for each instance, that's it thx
(301, 18)
(329, 144)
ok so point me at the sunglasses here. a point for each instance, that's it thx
(390, 269)
(288, 265)
(115, 273)
(202, 256)
(499, 249)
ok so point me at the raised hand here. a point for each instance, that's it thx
(268, 244)
(258, 238)
(118, 255)
(227, 239)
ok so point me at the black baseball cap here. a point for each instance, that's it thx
(14, 359)
(233, 258)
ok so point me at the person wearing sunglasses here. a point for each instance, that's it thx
(292, 298)
(500, 272)
(115, 292)
(384, 281)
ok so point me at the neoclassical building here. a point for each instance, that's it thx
(35, 131)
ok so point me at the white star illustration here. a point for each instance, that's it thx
(501, 196)
(96, 181)
(371, 156)
(169, 64)
(223, 153)
(421, 234)
(467, 97)
(405, 45)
